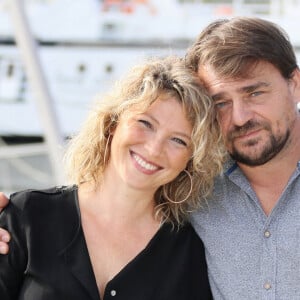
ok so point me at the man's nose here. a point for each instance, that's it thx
(241, 113)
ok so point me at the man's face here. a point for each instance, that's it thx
(256, 114)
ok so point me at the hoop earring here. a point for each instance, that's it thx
(187, 196)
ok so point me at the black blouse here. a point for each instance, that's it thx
(48, 256)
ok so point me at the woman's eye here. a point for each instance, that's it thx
(179, 141)
(145, 123)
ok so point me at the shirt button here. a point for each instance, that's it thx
(267, 234)
(113, 293)
(267, 286)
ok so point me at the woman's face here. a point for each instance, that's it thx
(150, 149)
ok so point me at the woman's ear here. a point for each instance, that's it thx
(112, 130)
(112, 126)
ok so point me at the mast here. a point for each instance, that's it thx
(43, 100)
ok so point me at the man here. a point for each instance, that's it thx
(251, 226)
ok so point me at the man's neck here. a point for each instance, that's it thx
(269, 180)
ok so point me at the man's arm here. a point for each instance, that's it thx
(4, 235)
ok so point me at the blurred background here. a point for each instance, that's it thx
(56, 56)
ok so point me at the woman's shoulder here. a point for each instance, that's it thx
(37, 197)
(44, 219)
(46, 210)
(41, 206)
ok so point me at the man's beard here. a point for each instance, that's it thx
(270, 150)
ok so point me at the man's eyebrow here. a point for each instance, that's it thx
(253, 87)
(245, 89)
(218, 96)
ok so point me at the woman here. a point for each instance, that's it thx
(138, 166)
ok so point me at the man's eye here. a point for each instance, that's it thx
(179, 141)
(256, 93)
(220, 105)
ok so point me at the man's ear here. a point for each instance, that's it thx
(295, 84)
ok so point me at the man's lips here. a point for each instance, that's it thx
(246, 134)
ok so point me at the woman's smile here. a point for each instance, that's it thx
(143, 165)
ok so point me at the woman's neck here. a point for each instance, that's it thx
(120, 204)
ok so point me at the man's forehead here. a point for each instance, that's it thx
(210, 76)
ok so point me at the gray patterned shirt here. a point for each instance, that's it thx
(251, 255)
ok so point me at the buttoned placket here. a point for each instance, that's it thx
(110, 291)
(268, 262)
(269, 255)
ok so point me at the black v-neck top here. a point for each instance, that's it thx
(48, 256)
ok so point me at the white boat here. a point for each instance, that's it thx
(85, 45)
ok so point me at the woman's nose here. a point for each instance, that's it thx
(155, 146)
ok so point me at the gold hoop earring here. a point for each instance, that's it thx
(187, 196)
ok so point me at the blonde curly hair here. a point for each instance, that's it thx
(89, 151)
